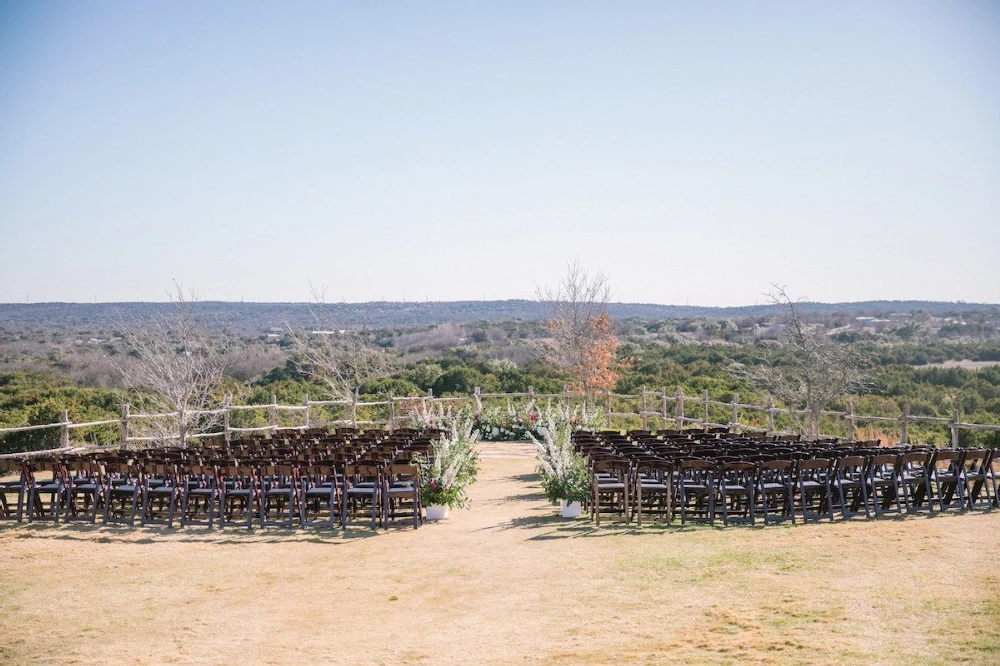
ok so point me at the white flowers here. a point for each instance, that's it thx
(555, 450)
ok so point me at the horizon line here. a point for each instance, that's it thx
(504, 300)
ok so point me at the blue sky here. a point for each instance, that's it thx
(695, 152)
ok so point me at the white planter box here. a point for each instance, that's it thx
(570, 509)
(437, 512)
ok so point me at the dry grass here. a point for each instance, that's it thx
(888, 436)
(506, 582)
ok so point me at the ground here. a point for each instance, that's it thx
(506, 582)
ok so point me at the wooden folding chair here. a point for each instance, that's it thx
(737, 492)
(947, 479)
(915, 480)
(777, 490)
(161, 494)
(45, 478)
(653, 489)
(123, 488)
(610, 491)
(975, 464)
(279, 495)
(320, 496)
(238, 495)
(401, 493)
(362, 483)
(815, 498)
(200, 503)
(12, 489)
(84, 490)
(850, 477)
(696, 490)
(884, 484)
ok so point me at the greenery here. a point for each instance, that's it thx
(46, 368)
(451, 468)
(38, 399)
(564, 472)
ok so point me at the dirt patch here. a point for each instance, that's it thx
(506, 582)
(968, 365)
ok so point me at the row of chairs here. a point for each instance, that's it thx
(291, 495)
(743, 480)
(308, 483)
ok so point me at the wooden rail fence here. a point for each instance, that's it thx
(670, 410)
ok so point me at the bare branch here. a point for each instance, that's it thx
(173, 368)
(811, 370)
(581, 341)
(341, 359)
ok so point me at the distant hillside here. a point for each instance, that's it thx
(261, 316)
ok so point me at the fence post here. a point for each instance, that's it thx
(902, 424)
(735, 423)
(704, 411)
(64, 429)
(849, 417)
(679, 408)
(642, 408)
(227, 434)
(305, 410)
(609, 407)
(663, 408)
(124, 424)
(770, 414)
(272, 414)
(354, 408)
(954, 431)
(392, 412)
(565, 399)
(531, 399)
(478, 398)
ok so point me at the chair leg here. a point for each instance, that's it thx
(725, 509)
(638, 503)
(171, 508)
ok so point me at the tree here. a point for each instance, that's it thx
(581, 340)
(340, 359)
(809, 371)
(173, 368)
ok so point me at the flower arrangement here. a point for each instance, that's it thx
(564, 472)
(495, 424)
(452, 466)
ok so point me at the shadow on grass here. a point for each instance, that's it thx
(554, 526)
(523, 497)
(191, 534)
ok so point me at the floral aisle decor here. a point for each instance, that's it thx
(498, 425)
(450, 469)
(565, 477)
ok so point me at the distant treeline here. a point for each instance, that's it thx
(35, 398)
(261, 316)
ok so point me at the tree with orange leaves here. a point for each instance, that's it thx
(581, 341)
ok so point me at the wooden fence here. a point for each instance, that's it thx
(656, 408)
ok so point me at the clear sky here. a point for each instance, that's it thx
(696, 152)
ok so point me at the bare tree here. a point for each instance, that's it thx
(581, 339)
(173, 368)
(341, 359)
(809, 371)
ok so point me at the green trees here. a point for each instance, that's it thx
(39, 399)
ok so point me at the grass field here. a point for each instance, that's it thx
(506, 582)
